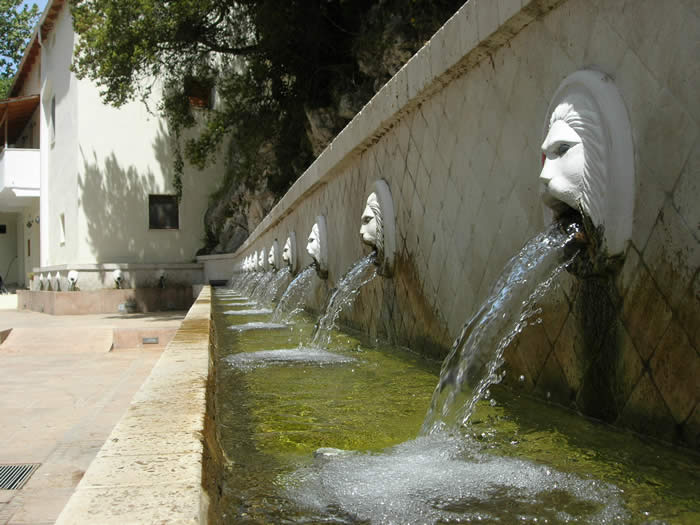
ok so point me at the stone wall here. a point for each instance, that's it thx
(101, 277)
(457, 133)
(106, 301)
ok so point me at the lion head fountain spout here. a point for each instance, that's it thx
(289, 252)
(588, 162)
(378, 226)
(261, 260)
(371, 230)
(317, 247)
(273, 262)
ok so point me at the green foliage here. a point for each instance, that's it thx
(16, 24)
(5, 85)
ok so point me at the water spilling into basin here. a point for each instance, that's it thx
(292, 301)
(258, 290)
(258, 325)
(476, 355)
(308, 441)
(269, 294)
(325, 432)
(445, 479)
(299, 355)
(249, 311)
(249, 282)
(362, 272)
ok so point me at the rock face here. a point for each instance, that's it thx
(231, 218)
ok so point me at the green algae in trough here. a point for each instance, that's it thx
(307, 439)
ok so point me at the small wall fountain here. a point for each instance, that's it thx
(118, 278)
(289, 253)
(72, 280)
(317, 246)
(588, 159)
(378, 228)
(261, 260)
(273, 257)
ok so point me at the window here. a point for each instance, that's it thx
(199, 92)
(3, 229)
(62, 226)
(52, 123)
(163, 212)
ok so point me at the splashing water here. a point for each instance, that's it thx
(249, 311)
(248, 283)
(236, 280)
(362, 272)
(301, 355)
(268, 295)
(258, 325)
(446, 479)
(292, 301)
(476, 355)
(259, 290)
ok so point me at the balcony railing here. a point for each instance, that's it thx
(20, 171)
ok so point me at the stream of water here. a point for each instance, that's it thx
(362, 272)
(477, 354)
(293, 300)
(269, 294)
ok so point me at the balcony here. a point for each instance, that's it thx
(20, 168)
(20, 172)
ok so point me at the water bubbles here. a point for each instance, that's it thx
(521, 378)
(302, 355)
(492, 402)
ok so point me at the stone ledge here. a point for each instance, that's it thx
(149, 471)
(106, 301)
(97, 267)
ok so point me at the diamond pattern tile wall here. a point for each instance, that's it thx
(462, 159)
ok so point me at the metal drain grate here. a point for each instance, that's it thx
(13, 477)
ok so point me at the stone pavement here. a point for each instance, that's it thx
(61, 392)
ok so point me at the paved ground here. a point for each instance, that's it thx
(61, 392)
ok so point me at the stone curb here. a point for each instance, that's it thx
(150, 468)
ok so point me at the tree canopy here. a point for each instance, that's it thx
(16, 24)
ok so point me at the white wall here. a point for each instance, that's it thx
(8, 248)
(125, 155)
(30, 239)
(59, 157)
(32, 82)
(102, 167)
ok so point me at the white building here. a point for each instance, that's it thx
(85, 186)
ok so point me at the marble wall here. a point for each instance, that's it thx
(457, 133)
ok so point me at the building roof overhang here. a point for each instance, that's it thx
(41, 30)
(14, 115)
